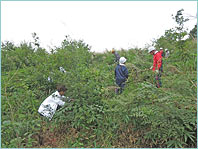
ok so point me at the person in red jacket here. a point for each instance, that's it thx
(157, 65)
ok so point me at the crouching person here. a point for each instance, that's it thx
(121, 75)
(52, 103)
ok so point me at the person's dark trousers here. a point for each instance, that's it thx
(161, 69)
(158, 81)
(121, 84)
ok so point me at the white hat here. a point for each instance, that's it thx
(151, 49)
(161, 48)
(166, 49)
(122, 60)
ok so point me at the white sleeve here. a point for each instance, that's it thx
(59, 102)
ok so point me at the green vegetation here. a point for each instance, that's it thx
(143, 116)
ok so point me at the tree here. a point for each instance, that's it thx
(7, 46)
(193, 32)
(36, 43)
(180, 20)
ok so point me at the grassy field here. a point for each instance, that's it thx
(142, 116)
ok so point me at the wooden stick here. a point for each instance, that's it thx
(193, 83)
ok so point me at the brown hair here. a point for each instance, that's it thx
(61, 88)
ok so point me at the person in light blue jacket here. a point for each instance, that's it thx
(121, 74)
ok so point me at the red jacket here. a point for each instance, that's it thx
(157, 60)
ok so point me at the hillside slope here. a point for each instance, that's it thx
(142, 116)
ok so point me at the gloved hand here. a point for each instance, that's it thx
(151, 67)
(157, 71)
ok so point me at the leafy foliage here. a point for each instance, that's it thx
(142, 116)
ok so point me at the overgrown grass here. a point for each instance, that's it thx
(143, 116)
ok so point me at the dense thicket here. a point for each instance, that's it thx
(143, 116)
